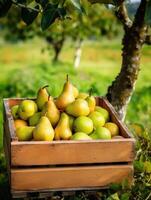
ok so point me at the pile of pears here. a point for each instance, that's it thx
(70, 116)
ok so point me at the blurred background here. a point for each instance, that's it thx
(88, 49)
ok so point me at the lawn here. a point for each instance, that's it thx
(24, 68)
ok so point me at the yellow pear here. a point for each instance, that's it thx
(51, 111)
(66, 97)
(44, 130)
(75, 91)
(19, 123)
(42, 97)
(82, 95)
(91, 101)
(25, 133)
(62, 130)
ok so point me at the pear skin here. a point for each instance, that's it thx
(14, 110)
(33, 120)
(42, 97)
(91, 103)
(62, 130)
(78, 108)
(82, 95)
(66, 97)
(44, 130)
(51, 111)
(25, 133)
(19, 123)
(75, 91)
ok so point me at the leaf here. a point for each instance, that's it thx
(62, 12)
(78, 6)
(104, 1)
(148, 13)
(43, 3)
(29, 15)
(49, 15)
(147, 166)
(4, 7)
(125, 196)
(113, 197)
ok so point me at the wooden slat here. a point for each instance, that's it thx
(69, 177)
(71, 152)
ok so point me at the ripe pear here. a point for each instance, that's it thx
(83, 124)
(25, 133)
(94, 136)
(80, 136)
(44, 130)
(42, 97)
(19, 123)
(14, 110)
(62, 130)
(75, 91)
(91, 101)
(97, 119)
(113, 128)
(82, 95)
(78, 108)
(66, 97)
(33, 120)
(102, 133)
(26, 109)
(51, 111)
(104, 112)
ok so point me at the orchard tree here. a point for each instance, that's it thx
(136, 34)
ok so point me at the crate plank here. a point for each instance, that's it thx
(69, 177)
(71, 152)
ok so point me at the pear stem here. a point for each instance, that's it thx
(90, 92)
(45, 86)
(67, 77)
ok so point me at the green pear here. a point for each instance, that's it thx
(62, 130)
(82, 95)
(71, 120)
(94, 136)
(42, 97)
(91, 101)
(97, 119)
(80, 136)
(25, 133)
(34, 119)
(44, 130)
(51, 111)
(66, 97)
(102, 133)
(78, 108)
(83, 124)
(14, 110)
(26, 109)
(104, 112)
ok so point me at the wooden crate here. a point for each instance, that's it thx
(35, 166)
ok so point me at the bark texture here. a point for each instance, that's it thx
(120, 92)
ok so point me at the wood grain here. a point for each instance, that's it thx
(69, 177)
(71, 152)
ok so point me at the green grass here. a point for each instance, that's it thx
(24, 68)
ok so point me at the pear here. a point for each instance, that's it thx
(25, 133)
(83, 124)
(66, 97)
(94, 136)
(97, 119)
(33, 120)
(113, 128)
(19, 123)
(102, 133)
(78, 108)
(75, 91)
(62, 130)
(14, 110)
(103, 111)
(51, 111)
(91, 101)
(26, 109)
(82, 95)
(44, 130)
(80, 136)
(42, 97)
(71, 120)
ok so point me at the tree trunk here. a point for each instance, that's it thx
(120, 92)
(78, 52)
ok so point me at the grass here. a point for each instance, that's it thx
(24, 68)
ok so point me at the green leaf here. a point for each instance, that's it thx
(43, 3)
(125, 196)
(113, 197)
(29, 15)
(49, 15)
(4, 7)
(77, 5)
(148, 13)
(62, 12)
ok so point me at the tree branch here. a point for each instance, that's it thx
(122, 15)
